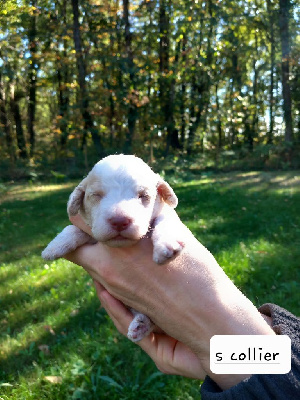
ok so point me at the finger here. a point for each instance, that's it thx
(122, 317)
(119, 314)
(117, 311)
(99, 288)
(79, 222)
(87, 256)
(159, 347)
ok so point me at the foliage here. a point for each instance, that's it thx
(55, 340)
(152, 77)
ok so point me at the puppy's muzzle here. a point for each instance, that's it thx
(120, 223)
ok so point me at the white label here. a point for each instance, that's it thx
(250, 354)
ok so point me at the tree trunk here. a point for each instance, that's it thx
(207, 81)
(284, 8)
(14, 105)
(166, 82)
(219, 122)
(248, 133)
(272, 69)
(173, 134)
(5, 122)
(196, 107)
(233, 131)
(63, 104)
(63, 80)
(32, 76)
(183, 94)
(251, 128)
(84, 100)
(164, 67)
(132, 107)
(200, 87)
(107, 73)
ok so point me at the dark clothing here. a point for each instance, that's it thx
(268, 386)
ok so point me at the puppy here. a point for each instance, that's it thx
(123, 200)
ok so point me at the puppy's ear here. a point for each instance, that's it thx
(167, 193)
(76, 198)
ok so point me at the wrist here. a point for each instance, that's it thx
(243, 319)
(231, 313)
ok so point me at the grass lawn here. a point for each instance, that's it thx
(55, 341)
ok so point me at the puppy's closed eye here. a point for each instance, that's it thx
(97, 195)
(144, 196)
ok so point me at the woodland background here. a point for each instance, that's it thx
(215, 82)
(192, 87)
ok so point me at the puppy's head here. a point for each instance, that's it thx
(119, 199)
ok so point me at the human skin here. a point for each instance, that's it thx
(189, 298)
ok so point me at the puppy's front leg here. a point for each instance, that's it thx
(166, 237)
(65, 242)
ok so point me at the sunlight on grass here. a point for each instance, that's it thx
(51, 324)
(24, 193)
(259, 181)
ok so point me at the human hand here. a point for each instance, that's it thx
(189, 297)
(170, 355)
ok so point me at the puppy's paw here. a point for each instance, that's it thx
(50, 254)
(139, 327)
(55, 249)
(166, 249)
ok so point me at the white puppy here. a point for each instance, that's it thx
(123, 200)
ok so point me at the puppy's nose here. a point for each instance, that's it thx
(119, 223)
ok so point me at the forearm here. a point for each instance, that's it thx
(244, 320)
(224, 311)
(268, 387)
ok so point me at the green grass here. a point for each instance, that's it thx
(50, 320)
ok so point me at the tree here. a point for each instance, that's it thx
(5, 124)
(16, 96)
(284, 17)
(89, 126)
(132, 93)
(271, 37)
(152, 77)
(32, 75)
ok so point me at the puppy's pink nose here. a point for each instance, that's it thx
(120, 223)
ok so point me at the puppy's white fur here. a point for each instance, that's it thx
(122, 200)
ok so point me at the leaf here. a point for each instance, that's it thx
(79, 368)
(53, 379)
(79, 394)
(111, 381)
(151, 377)
(5, 384)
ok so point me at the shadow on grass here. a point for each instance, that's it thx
(82, 347)
(28, 225)
(65, 335)
(222, 216)
(275, 278)
(35, 302)
(257, 218)
(225, 212)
